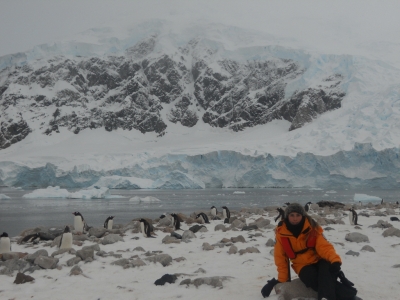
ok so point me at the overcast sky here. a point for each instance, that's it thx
(339, 26)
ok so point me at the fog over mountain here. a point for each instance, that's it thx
(159, 105)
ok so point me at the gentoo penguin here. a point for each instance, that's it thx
(5, 243)
(214, 211)
(353, 217)
(108, 224)
(163, 216)
(382, 201)
(226, 213)
(66, 239)
(204, 217)
(397, 202)
(79, 222)
(31, 238)
(307, 206)
(146, 228)
(394, 219)
(281, 214)
(177, 222)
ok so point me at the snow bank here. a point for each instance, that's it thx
(365, 198)
(4, 197)
(57, 192)
(148, 199)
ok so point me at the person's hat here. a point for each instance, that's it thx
(294, 207)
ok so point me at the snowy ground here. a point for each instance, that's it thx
(372, 272)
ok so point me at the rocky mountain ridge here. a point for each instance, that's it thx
(146, 89)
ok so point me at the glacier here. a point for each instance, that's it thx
(361, 167)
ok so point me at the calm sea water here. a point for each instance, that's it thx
(17, 213)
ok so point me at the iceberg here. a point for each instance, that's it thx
(57, 192)
(4, 197)
(365, 198)
(148, 199)
(120, 182)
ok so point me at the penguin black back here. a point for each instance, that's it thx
(204, 216)
(110, 218)
(281, 214)
(226, 213)
(146, 228)
(177, 222)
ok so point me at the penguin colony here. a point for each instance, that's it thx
(146, 226)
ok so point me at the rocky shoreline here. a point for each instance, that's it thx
(185, 257)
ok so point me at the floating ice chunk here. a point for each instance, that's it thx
(57, 192)
(315, 189)
(331, 192)
(4, 197)
(239, 192)
(148, 199)
(93, 193)
(364, 198)
(49, 192)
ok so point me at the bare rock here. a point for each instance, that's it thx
(46, 262)
(392, 231)
(22, 278)
(356, 237)
(233, 249)
(293, 290)
(163, 259)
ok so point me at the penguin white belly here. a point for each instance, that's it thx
(110, 224)
(224, 213)
(5, 245)
(142, 229)
(66, 241)
(78, 224)
(214, 212)
(351, 218)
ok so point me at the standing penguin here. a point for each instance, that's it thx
(79, 222)
(226, 213)
(307, 206)
(214, 211)
(146, 228)
(177, 222)
(5, 243)
(66, 239)
(108, 224)
(382, 201)
(281, 214)
(204, 217)
(353, 217)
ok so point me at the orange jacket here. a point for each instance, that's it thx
(323, 249)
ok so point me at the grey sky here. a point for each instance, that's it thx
(339, 26)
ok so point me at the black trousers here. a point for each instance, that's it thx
(320, 279)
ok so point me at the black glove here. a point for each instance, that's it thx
(334, 268)
(344, 280)
(266, 290)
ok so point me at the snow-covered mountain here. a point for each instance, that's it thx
(148, 101)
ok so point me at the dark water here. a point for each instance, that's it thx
(17, 213)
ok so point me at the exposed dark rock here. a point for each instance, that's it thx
(128, 92)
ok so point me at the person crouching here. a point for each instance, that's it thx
(299, 241)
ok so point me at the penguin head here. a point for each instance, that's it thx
(67, 229)
(212, 207)
(224, 207)
(174, 215)
(111, 217)
(77, 213)
(4, 234)
(142, 220)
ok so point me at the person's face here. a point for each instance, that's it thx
(295, 218)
